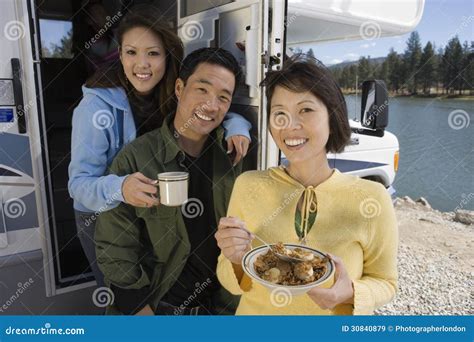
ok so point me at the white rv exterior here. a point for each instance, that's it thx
(39, 251)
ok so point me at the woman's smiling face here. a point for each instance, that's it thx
(299, 124)
(143, 57)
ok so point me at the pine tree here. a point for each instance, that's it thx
(352, 76)
(364, 69)
(64, 48)
(451, 65)
(337, 73)
(310, 53)
(427, 68)
(411, 60)
(439, 68)
(382, 72)
(346, 78)
(467, 66)
(470, 69)
(394, 64)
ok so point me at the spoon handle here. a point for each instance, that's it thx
(263, 241)
(257, 237)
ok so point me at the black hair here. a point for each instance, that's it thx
(301, 73)
(163, 98)
(215, 56)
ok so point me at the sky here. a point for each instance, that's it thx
(53, 30)
(440, 21)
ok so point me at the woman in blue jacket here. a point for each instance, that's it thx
(119, 104)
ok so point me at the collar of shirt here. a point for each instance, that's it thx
(171, 144)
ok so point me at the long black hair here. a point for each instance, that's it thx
(163, 98)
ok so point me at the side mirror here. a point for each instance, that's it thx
(374, 108)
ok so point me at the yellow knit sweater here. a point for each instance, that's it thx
(355, 221)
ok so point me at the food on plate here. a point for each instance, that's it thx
(270, 268)
(299, 253)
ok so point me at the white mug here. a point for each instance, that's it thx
(173, 188)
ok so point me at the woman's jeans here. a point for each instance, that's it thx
(85, 223)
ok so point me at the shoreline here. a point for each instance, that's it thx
(435, 260)
(421, 96)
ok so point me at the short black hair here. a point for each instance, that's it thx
(302, 73)
(215, 56)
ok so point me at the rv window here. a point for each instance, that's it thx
(189, 7)
(8, 173)
(56, 38)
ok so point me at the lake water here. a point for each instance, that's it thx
(436, 153)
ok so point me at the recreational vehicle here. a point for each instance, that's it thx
(44, 56)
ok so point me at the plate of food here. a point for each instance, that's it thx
(264, 266)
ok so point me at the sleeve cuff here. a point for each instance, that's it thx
(235, 124)
(364, 302)
(116, 197)
(227, 277)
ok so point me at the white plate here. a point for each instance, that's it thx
(250, 257)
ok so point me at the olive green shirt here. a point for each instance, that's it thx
(139, 247)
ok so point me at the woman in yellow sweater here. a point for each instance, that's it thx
(350, 218)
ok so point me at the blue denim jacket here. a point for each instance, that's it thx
(96, 141)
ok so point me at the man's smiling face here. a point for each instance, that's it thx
(203, 100)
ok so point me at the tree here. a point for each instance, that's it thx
(382, 72)
(64, 48)
(364, 69)
(337, 73)
(411, 60)
(467, 77)
(352, 76)
(394, 64)
(439, 68)
(451, 65)
(427, 68)
(310, 53)
(295, 50)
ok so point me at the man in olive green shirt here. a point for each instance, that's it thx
(160, 259)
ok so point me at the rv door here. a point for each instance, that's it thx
(254, 31)
(37, 224)
(22, 220)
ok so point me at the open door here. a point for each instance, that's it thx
(57, 66)
(254, 31)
